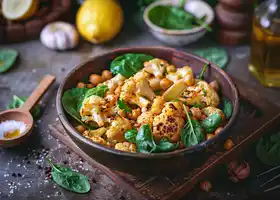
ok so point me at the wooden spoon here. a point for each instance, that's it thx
(23, 114)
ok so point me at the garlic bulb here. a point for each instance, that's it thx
(59, 36)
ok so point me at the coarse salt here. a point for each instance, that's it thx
(11, 126)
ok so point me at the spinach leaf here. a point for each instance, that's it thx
(165, 146)
(192, 133)
(7, 59)
(227, 108)
(144, 139)
(201, 75)
(146, 144)
(18, 103)
(196, 105)
(123, 106)
(69, 179)
(219, 56)
(268, 149)
(212, 122)
(129, 64)
(98, 91)
(130, 135)
(72, 100)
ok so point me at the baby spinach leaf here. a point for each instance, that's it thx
(212, 122)
(201, 75)
(69, 179)
(219, 56)
(72, 100)
(18, 103)
(192, 133)
(268, 149)
(130, 135)
(123, 106)
(165, 146)
(227, 108)
(129, 64)
(98, 91)
(144, 139)
(7, 59)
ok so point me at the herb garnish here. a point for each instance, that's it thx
(123, 106)
(201, 75)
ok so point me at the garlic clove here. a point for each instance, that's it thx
(59, 36)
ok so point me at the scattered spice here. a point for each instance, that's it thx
(14, 174)
(11, 128)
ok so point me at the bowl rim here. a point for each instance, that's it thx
(71, 129)
(170, 31)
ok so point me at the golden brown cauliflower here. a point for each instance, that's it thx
(114, 82)
(156, 66)
(201, 94)
(126, 146)
(169, 123)
(98, 139)
(91, 110)
(97, 132)
(148, 116)
(212, 110)
(184, 73)
(117, 129)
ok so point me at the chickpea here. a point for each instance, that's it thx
(95, 79)
(214, 85)
(196, 112)
(228, 144)
(106, 75)
(118, 90)
(170, 68)
(209, 136)
(90, 85)
(165, 83)
(80, 128)
(121, 113)
(81, 85)
(218, 130)
(135, 114)
(181, 145)
(155, 83)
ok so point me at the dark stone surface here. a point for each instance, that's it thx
(35, 62)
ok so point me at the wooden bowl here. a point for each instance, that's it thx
(139, 163)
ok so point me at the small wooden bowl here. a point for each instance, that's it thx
(138, 163)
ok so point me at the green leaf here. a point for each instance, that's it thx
(72, 100)
(218, 56)
(192, 133)
(165, 146)
(69, 179)
(8, 58)
(157, 92)
(144, 139)
(201, 75)
(130, 135)
(123, 106)
(227, 108)
(98, 91)
(268, 149)
(196, 105)
(129, 64)
(212, 122)
(18, 102)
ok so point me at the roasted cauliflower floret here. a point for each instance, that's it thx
(98, 139)
(156, 66)
(114, 82)
(201, 94)
(97, 132)
(184, 73)
(91, 110)
(212, 110)
(148, 117)
(169, 123)
(126, 146)
(117, 129)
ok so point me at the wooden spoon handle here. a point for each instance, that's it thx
(41, 89)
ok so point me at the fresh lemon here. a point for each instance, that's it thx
(99, 21)
(19, 9)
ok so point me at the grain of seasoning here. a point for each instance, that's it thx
(11, 129)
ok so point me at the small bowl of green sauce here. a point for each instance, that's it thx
(178, 25)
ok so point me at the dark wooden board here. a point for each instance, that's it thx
(257, 116)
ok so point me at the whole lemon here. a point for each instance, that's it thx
(99, 21)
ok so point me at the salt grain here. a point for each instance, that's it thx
(11, 126)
